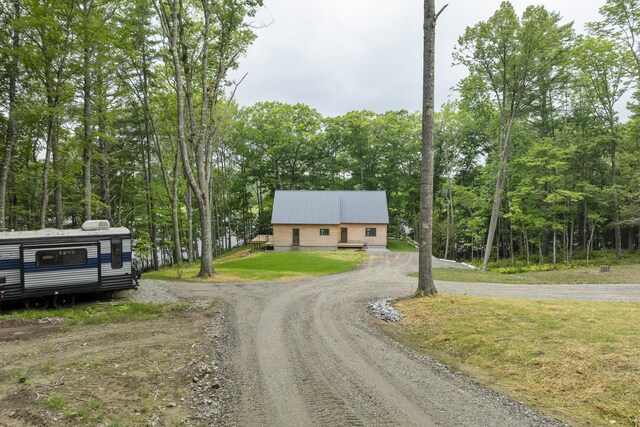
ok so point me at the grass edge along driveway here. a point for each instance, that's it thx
(620, 274)
(575, 360)
(267, 266)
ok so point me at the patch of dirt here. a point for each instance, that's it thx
(16, 329)
(136, 373)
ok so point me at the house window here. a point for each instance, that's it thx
(116, 252)
(324, 231)
(61, 258)
(370, 232)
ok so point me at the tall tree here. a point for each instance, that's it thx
(201, 56)
(425, 276)
(604, 74)
(509, 54)
(12, 134)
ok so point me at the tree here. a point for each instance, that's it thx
(510, 54)
(425, 276)
(205, 40)
(604, 75)
(12, 134)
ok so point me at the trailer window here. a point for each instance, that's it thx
(61, 257)
(116, 252)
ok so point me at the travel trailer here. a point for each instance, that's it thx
(53, 266)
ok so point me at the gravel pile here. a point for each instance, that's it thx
(382, 310)
(153, 291)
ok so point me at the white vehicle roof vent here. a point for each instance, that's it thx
(96, 224)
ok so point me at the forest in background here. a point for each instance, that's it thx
(124, 110)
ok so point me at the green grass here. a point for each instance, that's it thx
(99, 314)
(400, 246)
(618, 274)
(54, 402)
(576, 360)
(268, 266)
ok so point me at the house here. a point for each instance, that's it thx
(316, 220)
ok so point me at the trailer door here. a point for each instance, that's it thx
(59, 268)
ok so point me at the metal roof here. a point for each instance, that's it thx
(330, 207)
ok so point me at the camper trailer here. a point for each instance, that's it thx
(53, 266)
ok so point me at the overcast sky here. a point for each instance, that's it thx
(342, 55)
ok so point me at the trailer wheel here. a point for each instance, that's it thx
(38, 303)
(64, 301)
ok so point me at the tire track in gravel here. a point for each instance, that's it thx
(246, 407)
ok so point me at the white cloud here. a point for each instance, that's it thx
(343, 55)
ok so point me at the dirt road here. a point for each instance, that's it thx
(305, 353)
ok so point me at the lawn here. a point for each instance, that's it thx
(400, 246)
(268, 266)
(618, 274)
(575, 360)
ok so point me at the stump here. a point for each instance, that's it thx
(605, 269)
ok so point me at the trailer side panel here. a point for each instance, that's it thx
(115, 263)
(10, 284)
(67, 269)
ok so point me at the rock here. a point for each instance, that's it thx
(171, 405)
(196, 379)
(382, 310)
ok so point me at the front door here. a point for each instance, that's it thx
(296, 236)
(343, 235)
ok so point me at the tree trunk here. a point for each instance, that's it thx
(177, 246)
(571, 244)
(103, 145)
(200, 186)
(425, 278)
(12, 134)
(57, 173)
(86, 117)
(501, 179)
(616, 209)
(44, 201)
(187, 200)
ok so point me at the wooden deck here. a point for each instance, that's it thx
(351, 245)
(262, 241)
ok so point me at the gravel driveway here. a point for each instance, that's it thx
(304, 352)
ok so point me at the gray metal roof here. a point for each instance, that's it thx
(330, 207)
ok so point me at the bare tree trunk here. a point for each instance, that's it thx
(593, 229)
(44, 201)
(57, 172)
(501, 179)
(86, 119)
(177, 246)
(425, 276)
(616, 208)
(12, 134)
(187, 198)
(571, 244)
(103, 145)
